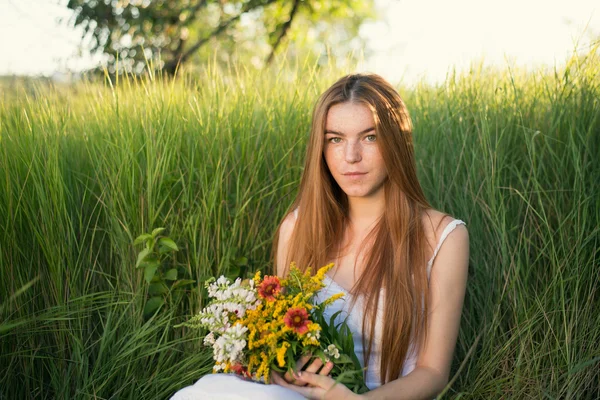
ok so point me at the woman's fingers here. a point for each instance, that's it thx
(314, 366)
(299, 364)
(277, 378)
(327, 368)
(302, 361)
(288, 378)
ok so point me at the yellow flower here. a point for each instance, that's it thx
(263, 370)
(281, 353)
(281, 306)
(252, 362)
(331, 299)
(293, 266)
(298, 300)
(318, 278)
(256, 278)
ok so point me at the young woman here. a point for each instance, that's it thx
(402, 265)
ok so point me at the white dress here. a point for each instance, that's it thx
(231, 387)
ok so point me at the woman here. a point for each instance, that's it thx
(402, 264)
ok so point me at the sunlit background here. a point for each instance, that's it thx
(414, 40)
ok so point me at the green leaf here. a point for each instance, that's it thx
(182, 282)
(157, 231)
(150, 260)
(168, 243)
(142, 238)
(233, 273)
(241, 261)
(344, 359)
(157, 288)
(153, 305)
(290, 360)
(150, 244)
(276, 368)
(320, 354)
(149, 272)
(141, 256)
(164, 250)
(171, 275)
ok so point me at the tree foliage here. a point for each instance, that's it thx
(134, 31)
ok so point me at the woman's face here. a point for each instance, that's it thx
(351, 150)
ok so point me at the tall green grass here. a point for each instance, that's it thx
(216, 158)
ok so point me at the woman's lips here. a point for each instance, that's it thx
(354, 173)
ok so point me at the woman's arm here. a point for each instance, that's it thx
(447, 287)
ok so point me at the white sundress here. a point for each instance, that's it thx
(231, 387)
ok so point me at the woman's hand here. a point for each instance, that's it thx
(320, 387)
(314, 367)
(312, 383)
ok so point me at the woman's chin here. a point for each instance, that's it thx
(358, 192)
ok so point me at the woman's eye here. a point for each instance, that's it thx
(335, 140)
(370, 138)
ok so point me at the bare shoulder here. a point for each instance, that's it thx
(287, 226)
(285, 233)
(450, 266)
(434, 223)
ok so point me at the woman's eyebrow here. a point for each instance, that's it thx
(341, 134)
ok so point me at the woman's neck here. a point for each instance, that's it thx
(365, 211)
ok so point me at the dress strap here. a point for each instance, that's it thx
(449, 228)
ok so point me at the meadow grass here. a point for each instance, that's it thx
(216, 159)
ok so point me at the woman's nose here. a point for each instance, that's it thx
(353, 152)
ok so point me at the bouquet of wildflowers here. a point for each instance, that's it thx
(265, 324)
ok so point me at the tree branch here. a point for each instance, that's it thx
(193, 14)
(171, 65)
(284, 29)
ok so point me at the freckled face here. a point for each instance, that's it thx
(351, 150)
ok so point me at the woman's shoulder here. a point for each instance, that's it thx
(285, 233)
(437, 226)
(288, 224)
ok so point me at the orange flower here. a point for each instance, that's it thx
(297, 319)
(269, 288)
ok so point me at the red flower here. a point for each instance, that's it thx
(269, 287)
(297, 319)
(239, 369)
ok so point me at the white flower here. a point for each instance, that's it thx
(230, 345)
(222, 280)
(333, 351)
(229, 303)
(218, 367)
(209, 339)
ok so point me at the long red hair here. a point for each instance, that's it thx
(396, 253)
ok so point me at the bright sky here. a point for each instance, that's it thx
(427, 37)
(418, 38)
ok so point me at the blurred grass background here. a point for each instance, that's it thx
(216, 159)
